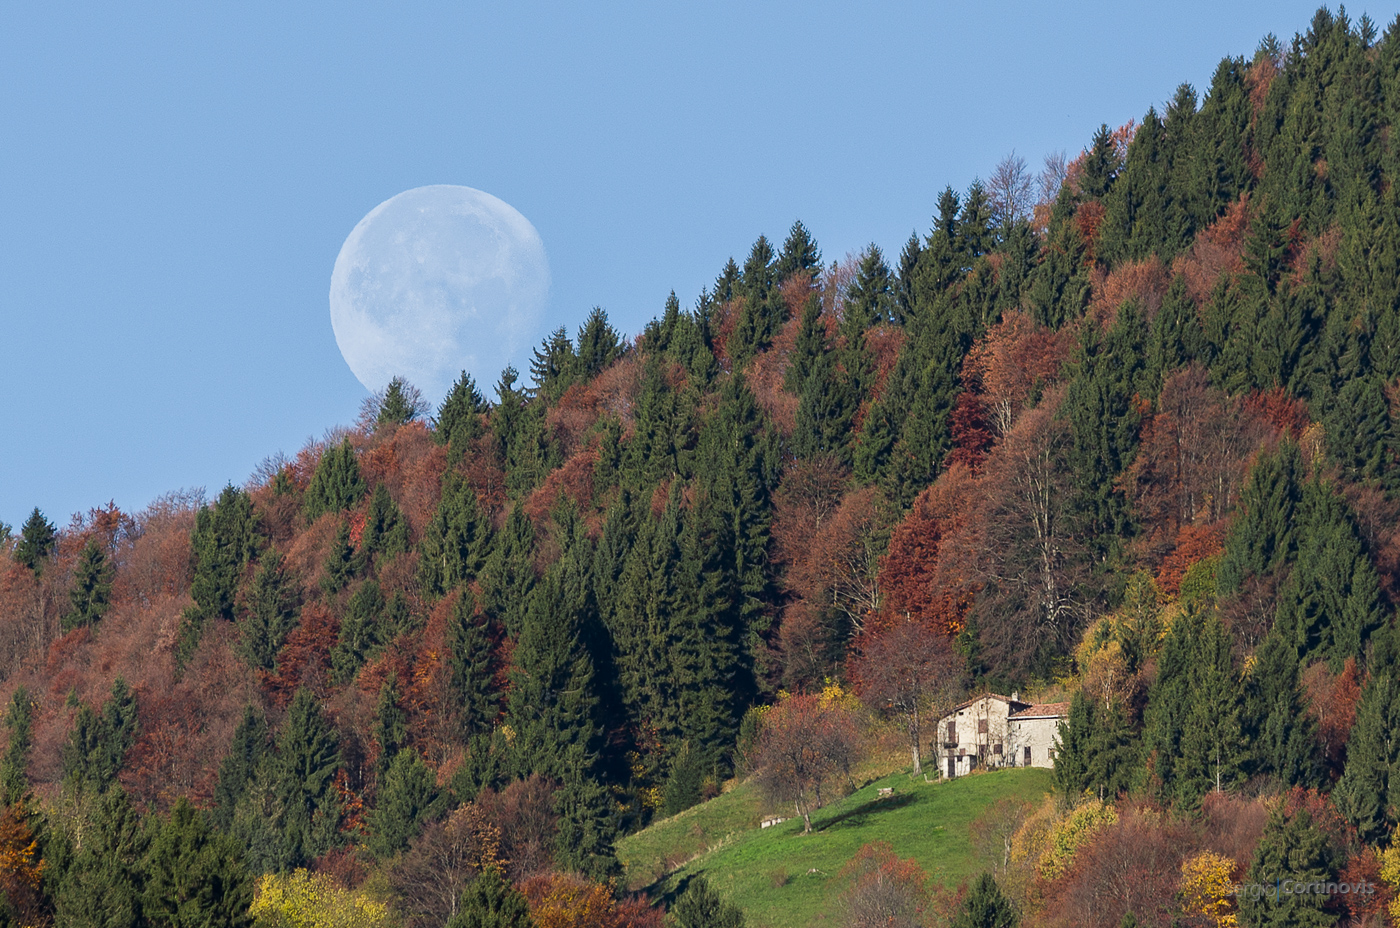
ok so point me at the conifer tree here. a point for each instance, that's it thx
(225, 540)
(1293, 848)
(390, 724)
(700, 906)
(1261, 536)
(763, 311)
(457, 540)
(340, 564)
(811, 344)
(1282, 735)
(1097, 752)
(800, 254)
(509, 576)
(408, 797)
(91, 593)
(14, 765)
(1101, 164)
(869, 298)
(553, 704)
(1331, 602)
(246, 752)
(584, 843)
(308, 755)
(359, 632)
(598, 344)
(37, 538)
(985, 907)
(194, 875)
(270, 613)
(472, 662)
(400, 404)
(1368, 794)
(490, 901)
(903, 285)
(554, 365)
(102, 887)
(336, 484)
(97, 746)
(386, 529)
(459, 419)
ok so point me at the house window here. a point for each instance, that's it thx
(1028, 755)
(981, 726)
(952, 732)
(996, 749)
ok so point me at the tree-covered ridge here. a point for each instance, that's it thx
(1132, 437)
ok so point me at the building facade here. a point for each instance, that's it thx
(992, 731)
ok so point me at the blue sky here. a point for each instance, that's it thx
(177, 179)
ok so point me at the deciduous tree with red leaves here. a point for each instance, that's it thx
(805, 741)
(910, 671)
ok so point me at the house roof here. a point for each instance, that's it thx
(1010, 703)
(1044, 710)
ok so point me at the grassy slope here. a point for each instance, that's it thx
(722, 840)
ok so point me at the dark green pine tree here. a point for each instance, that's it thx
(1368, 794)
(553, 705)
(341, 563)
(985, 907)
(509, 574)
(390, 729)
(1176, 338)
(554, 365)
(827, 406)
(811, 344)
(490, 901)
(1060, 288)
(97, 746)
(1138, 212)
(472, 662)
(662, 433)
(700, 906)
(1101, 165)
(308, 755)
(457, 540)
(225, 540)
(1108, 373)
(598, 344)
(903, 284)
(1178, 729)
(584, 843)
(102, 887)
(386, 529)
(194, 875)
(763, 311)
(270, 613)
(91, 593)
(408, 798)
(1262, 535)
(1212, 741)
(336, 484)
(800, 254)
(459, 419)
(1359, 430)
(359, 632)
(37, 538)
(869, 300)
(1331, 602)
(248, 749)
(660, 334)
(399, 405)
(1293, 848)
(1281, 733)
(1098, 750)
(14, 765)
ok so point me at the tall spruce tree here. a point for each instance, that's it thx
(408, 797)
(226, 538)
(194, 875)
(700, 906)
(336, 484)
(37, 538)
(103, 884)
(1282, 734)
(459, 419)
(1368, 794)
(1293, 848)
(985, 907)
(360, 631)
(246, 752)
(14, 764)
(490, 901)
(386, 530)
(308, 755)
(90, 595)
(800, 254)
(270, 613)
(470, 657)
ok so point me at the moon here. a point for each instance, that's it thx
(435, 281)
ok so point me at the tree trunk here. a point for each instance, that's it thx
(806, 818)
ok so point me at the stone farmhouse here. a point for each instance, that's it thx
(992, 731)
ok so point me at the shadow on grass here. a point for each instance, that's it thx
(860, 814)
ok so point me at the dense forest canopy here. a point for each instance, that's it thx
(1123, 431)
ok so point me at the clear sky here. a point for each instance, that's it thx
(176, 179)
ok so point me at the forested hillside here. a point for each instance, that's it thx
(1121, 430)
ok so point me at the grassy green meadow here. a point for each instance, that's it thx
(784, 879)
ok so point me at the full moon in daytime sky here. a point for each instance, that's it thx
(435, 281)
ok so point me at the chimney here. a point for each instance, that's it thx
(1015, 695)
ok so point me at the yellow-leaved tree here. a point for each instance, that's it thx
(314, 900)
(1207, 889)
